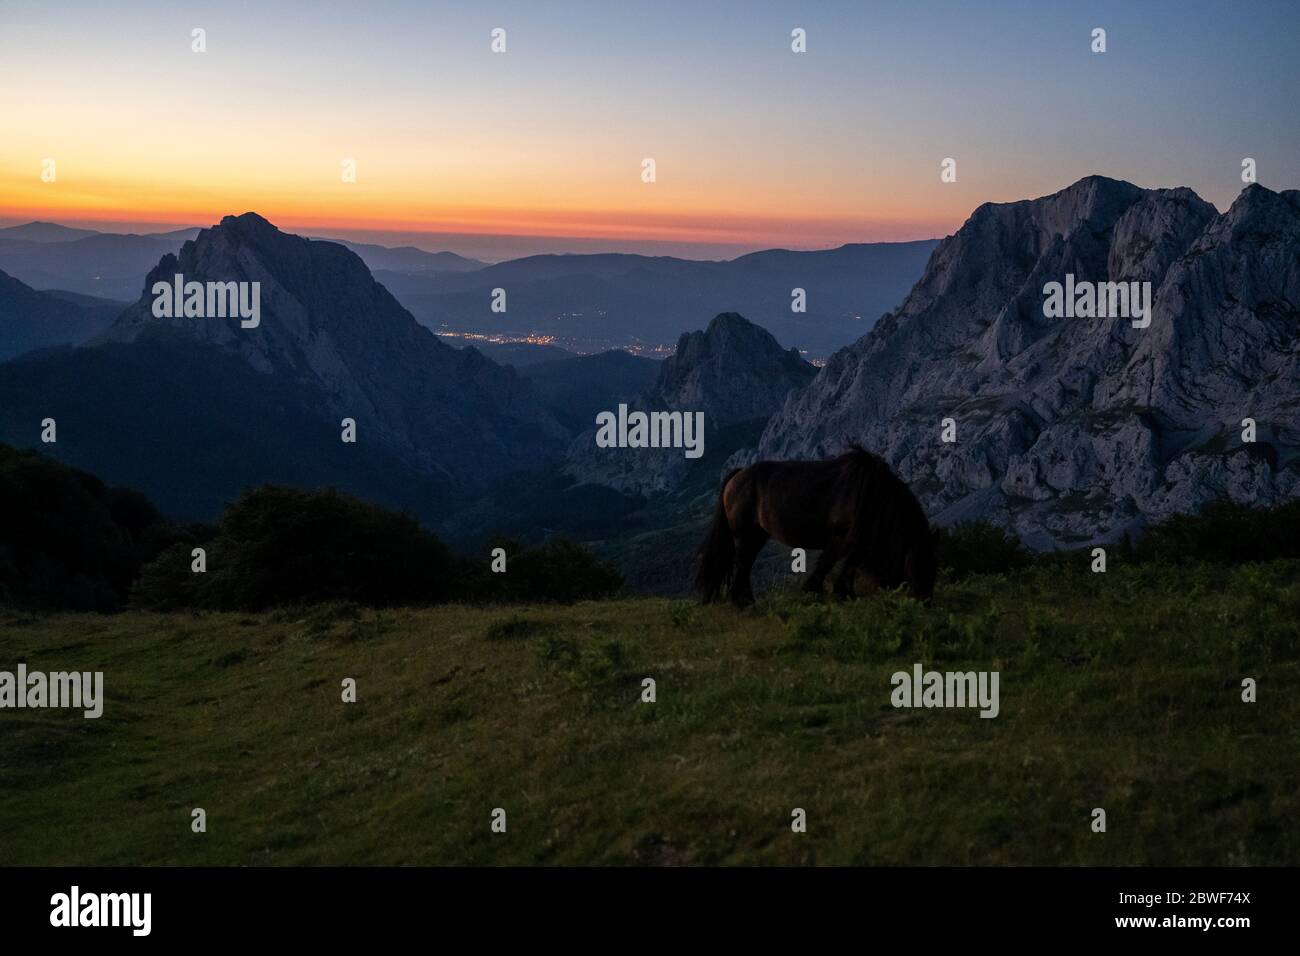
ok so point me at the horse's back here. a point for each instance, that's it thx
(800, 503)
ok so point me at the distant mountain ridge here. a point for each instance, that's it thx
(44, 232)
(1074, 430)
(433, 423)
(614, 300)
(105, 265)
(407, 258)
(47, 255)
(593, 302)
(36, 320)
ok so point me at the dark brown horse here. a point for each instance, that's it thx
(851, 508)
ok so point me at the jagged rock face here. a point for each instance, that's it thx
(1079, 429)
(327, 323)
(734, 372)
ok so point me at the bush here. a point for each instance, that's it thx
(167, 583)
(1224, 533)
(68, 541)
(277, 546)
(560, 571)
(979, 547)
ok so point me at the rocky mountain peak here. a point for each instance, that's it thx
(249, 224)
(315, 299)
(325, 323)
(734, 372)
(1076, 429)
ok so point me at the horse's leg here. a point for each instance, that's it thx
(748, 545)
(825, 562)
(844, 581)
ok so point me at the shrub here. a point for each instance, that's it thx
(1224, 532)
(560, 571)
(68, 541)
(277, 546)
(167, 583)
(979, 547)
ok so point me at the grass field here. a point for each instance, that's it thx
(1118, 690)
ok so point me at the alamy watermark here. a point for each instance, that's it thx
(217, 300)
(79, 690)
(651, 430)
(923, 688)
(1098, 300)
(75, 908)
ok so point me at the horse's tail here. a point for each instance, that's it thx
(716, 557)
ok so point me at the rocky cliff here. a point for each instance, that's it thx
(1079, 429)
(734, 372)
(328, 325)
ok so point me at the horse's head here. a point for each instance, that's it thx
(921, 566)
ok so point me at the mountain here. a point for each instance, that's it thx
(223, 406)
(105, 265)
(578, 388)
(612, 300)
(587, 303)
(176, 235)
(519, 354)
(109, 265)
(1071, 430)
(733, 372)
(44, 232)
(408, 258)
(35, 320)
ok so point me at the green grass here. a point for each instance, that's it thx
(1119, 691)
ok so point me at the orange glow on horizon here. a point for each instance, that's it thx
(60, 202)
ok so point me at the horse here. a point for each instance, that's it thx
(853, 508)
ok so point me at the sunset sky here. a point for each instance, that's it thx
(755, 146)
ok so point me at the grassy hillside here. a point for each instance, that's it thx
(1119, 691)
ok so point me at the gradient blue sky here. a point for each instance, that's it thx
(755, 146)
